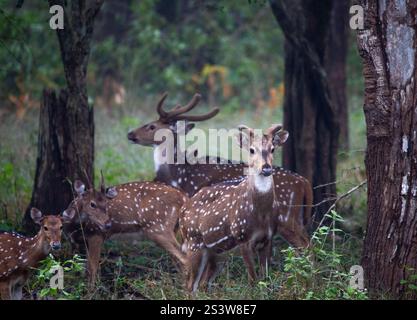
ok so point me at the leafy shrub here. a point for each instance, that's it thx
(74, 285)
(318, 272)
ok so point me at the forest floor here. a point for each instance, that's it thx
(142, 270)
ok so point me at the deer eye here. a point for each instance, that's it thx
(45, 228)
(252, 151)
(61, 227)
(151, 127)
(93, 205)
(272, 150)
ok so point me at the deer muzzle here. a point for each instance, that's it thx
(266, 170)
(56, 245)
(107, 225)
(132, 137)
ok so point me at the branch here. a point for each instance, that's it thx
(66, 35)
(90, 17)
(338, 200)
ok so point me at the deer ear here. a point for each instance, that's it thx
(242, 137)
(280, 137)
(79, 187)
(68, 214)
(111, 192)
(36, 215)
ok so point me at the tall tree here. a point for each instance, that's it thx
(309, 114)
(66, 124)
(335, 65)
(387, 45)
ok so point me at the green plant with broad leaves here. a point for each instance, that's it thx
(74, 286)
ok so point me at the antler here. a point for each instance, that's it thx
(89, 183)
(242, 127)
(273, 129)
(102, 185)
(201, 117)
(177, 113)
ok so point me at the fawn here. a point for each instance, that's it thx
(90, 222)
(18, 253)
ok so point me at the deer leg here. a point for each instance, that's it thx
(218, 267)
(210, 271)
(17, 291)
(296, 238)
(5, 290)
(247, 254)
(265, 254)
(18, 294)
(197, 262)
(169, 243)
(95, 243)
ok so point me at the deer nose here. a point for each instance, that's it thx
(56, 245)
(131, 136)
(266, 170)
(107, 225)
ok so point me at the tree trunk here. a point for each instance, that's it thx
(388, 48)
(66, 124)
(309, 114)
(335, 64)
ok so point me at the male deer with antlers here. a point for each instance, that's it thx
(220, 217)
(294, 192)
(18, 254)
(149, 207)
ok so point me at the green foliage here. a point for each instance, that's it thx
(410, 283)
(73, 287)
(29, 51)
(14, 187)
(318, 272)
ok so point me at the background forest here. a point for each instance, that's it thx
(232, 52)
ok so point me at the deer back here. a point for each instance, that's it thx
(151, 207)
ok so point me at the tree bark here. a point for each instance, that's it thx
(66, 124)
(335, 64)
(309, 114)
(387, 46)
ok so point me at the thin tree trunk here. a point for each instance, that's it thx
(309, 114)
(388, 48)
(66, 124)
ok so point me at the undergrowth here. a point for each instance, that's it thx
(144, 271)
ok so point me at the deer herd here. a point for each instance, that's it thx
(195, 211)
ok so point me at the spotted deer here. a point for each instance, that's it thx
(90, 220)
(221, 217)
(18, 254)
(294, 192)
(151, 208)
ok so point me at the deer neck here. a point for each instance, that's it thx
(162, 168)
(261, 189)
(37, 248)
(166, 172)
